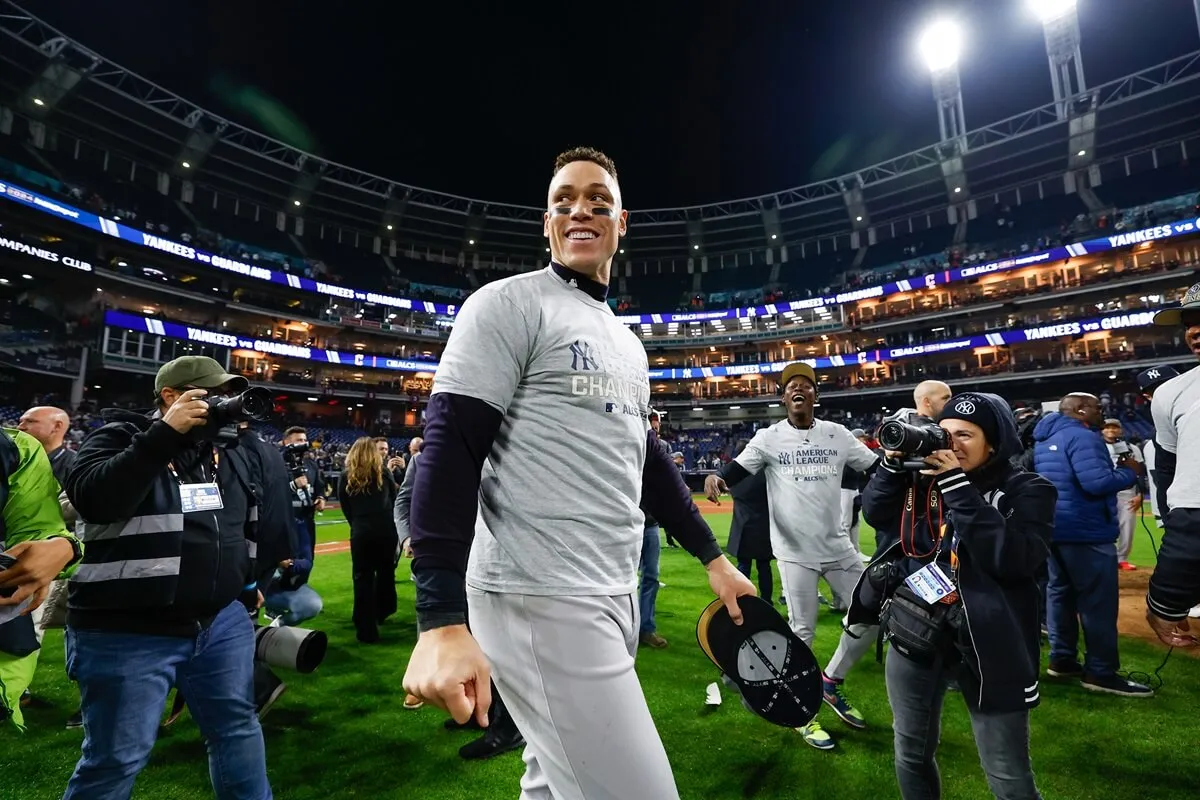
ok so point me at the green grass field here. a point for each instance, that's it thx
(342, 731)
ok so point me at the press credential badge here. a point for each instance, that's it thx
(200, 497)
(930, 583)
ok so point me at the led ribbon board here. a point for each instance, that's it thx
(145, 239)
(176, 330)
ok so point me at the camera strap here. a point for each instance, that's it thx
(934, 521)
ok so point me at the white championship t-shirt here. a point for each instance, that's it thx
(804, 487)
(558, 500)
(1176, 411)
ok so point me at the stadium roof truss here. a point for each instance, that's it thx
(117, 109)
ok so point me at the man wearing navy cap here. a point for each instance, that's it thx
(1175, 584)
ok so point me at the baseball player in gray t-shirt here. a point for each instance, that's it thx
(537, 454)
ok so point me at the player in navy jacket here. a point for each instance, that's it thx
(1069, 451)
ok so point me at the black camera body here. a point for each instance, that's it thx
(916, 438)
(226, 413)
(293, 456)
(254, 404)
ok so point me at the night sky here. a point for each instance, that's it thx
(696, 102)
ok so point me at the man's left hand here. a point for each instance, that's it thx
(38, 564)
(319, 504)
(1172, 634)
(1135, 503)
(940, 461)
(729, 584)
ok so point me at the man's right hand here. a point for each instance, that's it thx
(448, 669)
(714, 487)
(301, 482)
(188, 411)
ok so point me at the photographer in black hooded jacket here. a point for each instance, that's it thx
(986, 525)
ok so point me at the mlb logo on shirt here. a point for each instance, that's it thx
(610, 408)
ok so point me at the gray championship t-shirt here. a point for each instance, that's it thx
(1176, 411)
(804, 487)
(558, 500)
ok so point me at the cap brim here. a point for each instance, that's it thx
(237, 382)
(1169, 316)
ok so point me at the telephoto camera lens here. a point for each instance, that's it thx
(920, 439)
(295, 649)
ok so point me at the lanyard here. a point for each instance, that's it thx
(216, 462)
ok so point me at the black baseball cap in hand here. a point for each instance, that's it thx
(775, 671)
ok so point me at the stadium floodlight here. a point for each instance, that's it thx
(940, 44)
(1050, 10)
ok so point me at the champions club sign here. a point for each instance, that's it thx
(125, 233)
(176, 330)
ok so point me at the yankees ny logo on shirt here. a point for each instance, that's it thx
(582, 357)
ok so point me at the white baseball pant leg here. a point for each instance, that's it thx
(564, 666)
(800, 586)
(848, 525)
(1126, 524)
(854, 643)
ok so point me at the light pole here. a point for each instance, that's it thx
(1060, 23)
(940, 45)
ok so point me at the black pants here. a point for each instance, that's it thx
(766, 580)
(372, 558)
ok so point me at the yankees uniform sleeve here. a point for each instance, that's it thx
(860, 457)
(669, 501)
(478, 375)
(1166, 444)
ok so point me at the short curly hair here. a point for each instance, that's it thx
(585, 154)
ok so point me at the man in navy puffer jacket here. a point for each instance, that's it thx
(1069, 451)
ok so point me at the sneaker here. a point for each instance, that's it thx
(653, 640)
(816, 736)
(75, 720)
(836, 699)
(500, 737)
(1127, 567)
(1114, 684)
(1064, 669)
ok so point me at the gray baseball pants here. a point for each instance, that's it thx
(564, 666)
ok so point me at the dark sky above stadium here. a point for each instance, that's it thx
(696, 102)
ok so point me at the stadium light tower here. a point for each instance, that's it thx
(940, 45)
(1060, 23)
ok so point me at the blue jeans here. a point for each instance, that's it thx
(916, 694)
(124, 679)
(648, 589)
(1083, 589)
(295, 605)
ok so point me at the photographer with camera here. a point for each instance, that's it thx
(289, 594)
(160, 597)
(956, 596)
(1083, 587)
